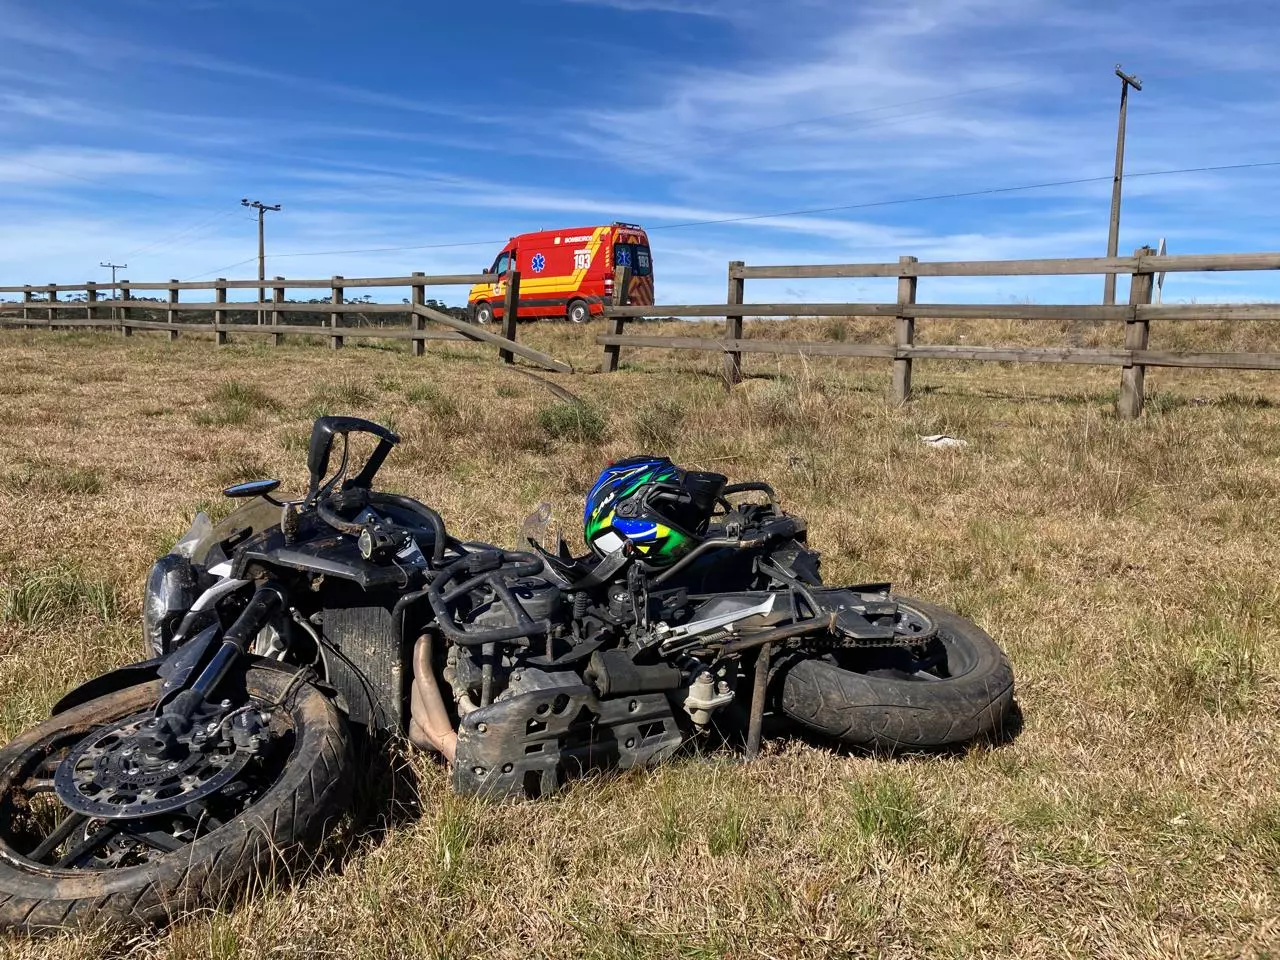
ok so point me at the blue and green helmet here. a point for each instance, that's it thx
(616, 513)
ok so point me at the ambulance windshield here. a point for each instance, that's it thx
(635, 256)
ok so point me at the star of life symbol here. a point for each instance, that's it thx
(539, 263)
(581, 259)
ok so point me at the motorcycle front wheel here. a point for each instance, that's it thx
(60, 868)
(956, 689)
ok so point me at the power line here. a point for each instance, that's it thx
(335, 253)
(960, 195)
(990, 191)
(181, 233)
(229, 266)
(694, 140)
(99, 183)
(663, 151)
(428, 246)
(889, 106)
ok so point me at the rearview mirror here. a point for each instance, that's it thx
(251, 488)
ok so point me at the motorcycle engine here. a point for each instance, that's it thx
(540, 598)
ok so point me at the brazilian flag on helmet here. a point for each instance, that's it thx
(647, 504)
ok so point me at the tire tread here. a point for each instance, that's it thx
(894, 715)
(36, 903)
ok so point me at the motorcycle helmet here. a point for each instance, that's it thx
(651, 506)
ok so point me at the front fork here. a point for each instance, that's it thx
(178, 706)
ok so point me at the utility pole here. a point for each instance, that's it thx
(262, 209)
(1113, 238)
(114, 267)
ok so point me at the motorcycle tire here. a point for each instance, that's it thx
(288, 815)
(892, 712)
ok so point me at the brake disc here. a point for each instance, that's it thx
(109, 775)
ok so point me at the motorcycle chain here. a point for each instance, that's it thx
(897, 642)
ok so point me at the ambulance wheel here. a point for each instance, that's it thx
(579, 311)
(484, 313)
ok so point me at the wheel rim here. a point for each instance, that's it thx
(484, 315)
(40, 831)
(578, 313)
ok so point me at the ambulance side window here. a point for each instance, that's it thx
(501, 265)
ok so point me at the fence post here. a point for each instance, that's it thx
(614, 326)
(277, 297)
(904, 336)
(417, 298)
(510, 314)
(90, 298)
(26, 310)
(219, 313)
(125, 312)
(1137, 333)
(335, 319)
(733, 325)
(171, 315)
(53, 311)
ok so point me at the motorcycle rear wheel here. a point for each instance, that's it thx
(968, 696)
(150, 871)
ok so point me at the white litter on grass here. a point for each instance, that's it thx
(942, 441)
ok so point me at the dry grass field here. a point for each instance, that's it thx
(1131, 571)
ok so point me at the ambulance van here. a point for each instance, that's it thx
(566, 273)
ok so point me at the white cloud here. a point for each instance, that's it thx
(93, 51)
(48, 165)
(829, 105)
(722, 9)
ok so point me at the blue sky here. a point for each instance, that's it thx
(130, 130)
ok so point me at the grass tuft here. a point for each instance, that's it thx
(247, 394)
(656, 428)
(53, 479)
(578, 421)
(233, 404)
(885, 811)
(727, 833)
(54, 597)
(347, 396)
(431, 399)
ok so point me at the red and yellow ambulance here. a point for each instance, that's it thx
(567, 273)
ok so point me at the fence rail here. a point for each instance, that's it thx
(413, 280)
(119, 312)
(1145, 260)
(124, 311)
(1136, 316)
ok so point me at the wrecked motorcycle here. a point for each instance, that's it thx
(277, 635)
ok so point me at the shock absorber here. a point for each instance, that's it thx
(266, 602)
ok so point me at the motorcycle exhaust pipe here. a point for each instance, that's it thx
(429, 726)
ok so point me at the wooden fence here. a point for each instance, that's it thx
(127, 314)
(1136, 316)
